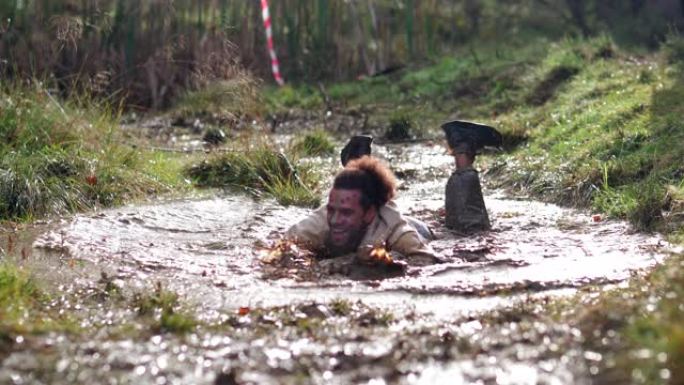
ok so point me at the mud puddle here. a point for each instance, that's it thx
(420, 328)
(211, 248)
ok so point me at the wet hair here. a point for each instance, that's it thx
(377, 183)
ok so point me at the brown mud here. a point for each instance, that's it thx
(458, 321)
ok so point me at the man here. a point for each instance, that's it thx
(360, 216)
(360, 145)
(464, 204)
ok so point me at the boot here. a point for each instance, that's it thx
(358, 146)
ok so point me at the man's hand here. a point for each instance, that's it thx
(374, 255)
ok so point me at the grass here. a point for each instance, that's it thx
(315, 143)
(59, 157)
(25, 308)
(584, 122)
(163, 307)
(224, 101)
(464, 84)
(401, 126)
(612, 135)
(640, 327)
(17, 293)
(260, 170)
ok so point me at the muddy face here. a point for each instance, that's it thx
(347, 220)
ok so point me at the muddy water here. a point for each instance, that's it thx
(211, 248)
(208, 250)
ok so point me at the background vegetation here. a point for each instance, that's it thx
(150, 52)
(58, 157)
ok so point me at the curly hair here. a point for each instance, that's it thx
(376, 181)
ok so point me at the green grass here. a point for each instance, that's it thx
(283, 98)
(315, 143)
(58, 157)
(470, 85)
(585, 123)
(608, 138)
(24, 307)
(163, 307)
(402, 126)
(260, 170)
(637, 329)
(17, 293)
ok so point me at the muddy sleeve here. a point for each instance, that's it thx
(312, 229)
(407, 243)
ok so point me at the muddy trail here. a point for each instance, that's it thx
(311, 322)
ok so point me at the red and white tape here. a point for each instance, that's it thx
(269, 40)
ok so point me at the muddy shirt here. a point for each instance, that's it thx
(464, 204)
(389, 226)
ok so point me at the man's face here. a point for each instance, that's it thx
(347, 220)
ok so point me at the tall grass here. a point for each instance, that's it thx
(315, 143)
(260, 170)
(150, 52)
(58, 156)
(147, 52)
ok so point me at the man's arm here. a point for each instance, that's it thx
(403, 239)
(406, 241)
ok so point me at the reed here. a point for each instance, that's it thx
(149, 52)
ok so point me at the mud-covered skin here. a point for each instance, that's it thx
(464, 204)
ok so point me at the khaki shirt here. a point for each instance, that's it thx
(388, 227)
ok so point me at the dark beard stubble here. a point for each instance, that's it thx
(352, 244)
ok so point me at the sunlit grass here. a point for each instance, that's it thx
(258, 170)
(59, 157)
(609, 139)
(24, 306)
(315, 143)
